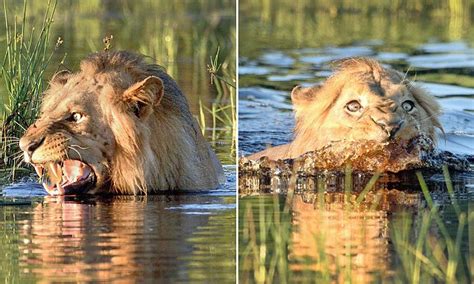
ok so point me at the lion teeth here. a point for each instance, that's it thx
(55, 172)
(54, 169)
(59, 189)
(48, 188)
(39, 170)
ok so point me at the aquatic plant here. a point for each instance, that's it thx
(429, 251)
(426, 248)
(209, 42)
(223, 108)
(27, 55)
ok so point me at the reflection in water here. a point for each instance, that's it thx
(329, 230)
(120, 238)
(352, 239)
(399, 25)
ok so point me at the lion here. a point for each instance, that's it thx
(120, 125)
(362, 101)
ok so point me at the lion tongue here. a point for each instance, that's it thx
(75, 170)
(59, 177)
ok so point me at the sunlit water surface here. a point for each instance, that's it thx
(171, 238)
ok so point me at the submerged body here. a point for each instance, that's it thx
(363, 101)
(119, 125)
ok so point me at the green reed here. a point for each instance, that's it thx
(436, 255)
(223, 108)
(210, 44)
(27, 55)
(426, 248)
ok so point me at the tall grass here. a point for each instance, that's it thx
(435, 257)
(207, 40)
(223, 108)
(27, 55)
(425, 248)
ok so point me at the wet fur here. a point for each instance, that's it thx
(314, 104)
(140, 136)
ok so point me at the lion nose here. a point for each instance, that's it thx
(391, 127)
(29, 146)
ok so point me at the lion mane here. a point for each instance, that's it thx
(362, 101)
(125, 121)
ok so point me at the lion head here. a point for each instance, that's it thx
(362, 101)
(119, 125)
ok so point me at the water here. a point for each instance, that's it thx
(186, 237)
(329, 227)
(327, 237)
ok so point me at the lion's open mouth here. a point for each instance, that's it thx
(66, 177)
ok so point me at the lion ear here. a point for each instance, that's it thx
(60, 77)
(303, 96)
(143, 96)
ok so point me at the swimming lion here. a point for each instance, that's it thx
(119, 125)
(362, 103)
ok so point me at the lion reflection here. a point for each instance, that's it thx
(336, 234)
(116, 239)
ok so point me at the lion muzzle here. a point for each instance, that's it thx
(28, 146)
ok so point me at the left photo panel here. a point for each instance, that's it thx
(118, 141)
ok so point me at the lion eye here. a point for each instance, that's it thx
(76, 117)
(408, 105)
(353, 106)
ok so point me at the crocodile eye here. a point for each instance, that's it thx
(75, 117)
(353, 106)
(408, 105)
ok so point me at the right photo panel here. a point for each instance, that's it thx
(356, 141)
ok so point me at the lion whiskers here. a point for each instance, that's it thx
(80, 147)
(405, 76)
(17, 157)
(15, 154)
(11, 143)
(428, 117)
(72, 148)
(9, 138)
